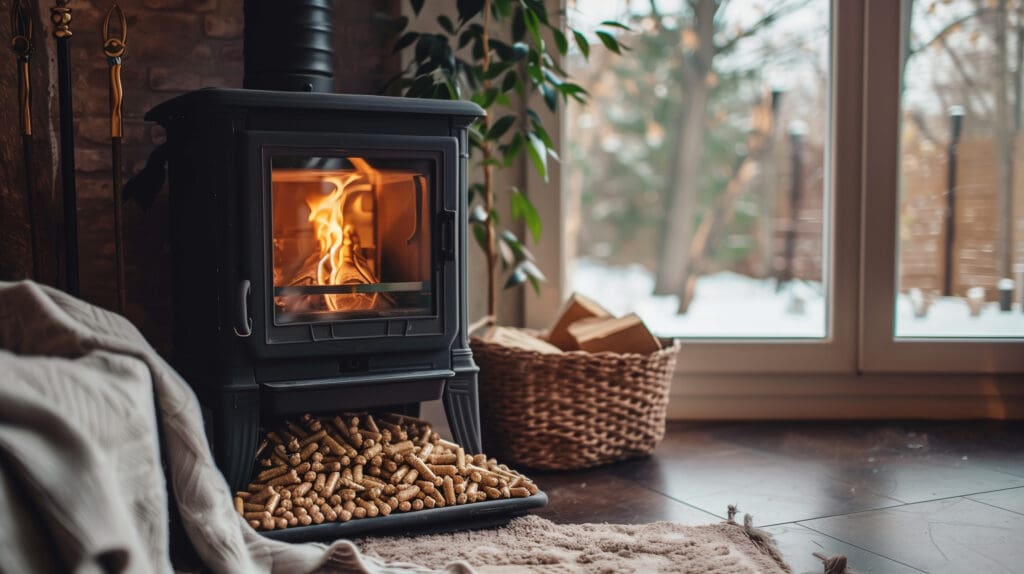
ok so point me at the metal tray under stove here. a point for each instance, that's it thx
(476, 515)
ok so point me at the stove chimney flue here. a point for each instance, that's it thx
(289, 45)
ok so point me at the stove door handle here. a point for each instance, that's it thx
(447, 239)
(243, 318)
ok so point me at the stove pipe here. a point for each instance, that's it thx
(289, 45)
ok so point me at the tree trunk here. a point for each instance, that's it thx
(674, 263)
(1004, 147)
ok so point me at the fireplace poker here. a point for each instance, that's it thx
(21, 45)
(60, 15)
(114, 48)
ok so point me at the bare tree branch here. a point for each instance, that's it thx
(918, 118)
(981, 11)
(766, 20)
(969, 82)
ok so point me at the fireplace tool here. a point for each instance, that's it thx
(114, 45)
(21, 45)
(60, 15)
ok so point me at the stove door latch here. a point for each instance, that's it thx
(447, 228)
(243, 322)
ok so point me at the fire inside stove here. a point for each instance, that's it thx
(351, 237)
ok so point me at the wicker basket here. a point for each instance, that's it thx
(572, 410)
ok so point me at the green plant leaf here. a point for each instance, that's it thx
(520, 50)
(542, 133)
(535, 73)
(473, 31)
(510, 81)
(513, 149)
(508, 257)
(532, 270)
(478, 214)
(518, 25)
(609, 42)
(405, 41)
(538, 154)
(614, 24)
(523, 210)
(582, 43)
(533, 26)
(533, 273)
(480, 233)
(446, 24)
(503, 50)
(501, 126)
(417, 5)
(550, 96)
(538, 8)
(516, 278)
(508, 237)
(424, 45)
(501, 8)
(468, 9)
(561, 42)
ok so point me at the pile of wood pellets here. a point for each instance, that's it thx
(359, 466)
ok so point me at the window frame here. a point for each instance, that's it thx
(860, 361)
(880, 350)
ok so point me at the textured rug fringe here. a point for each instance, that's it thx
(761, 539)
(834, 564)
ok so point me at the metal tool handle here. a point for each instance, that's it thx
(21, 45)
(114, 45)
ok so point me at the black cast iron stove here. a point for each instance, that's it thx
(319, 247)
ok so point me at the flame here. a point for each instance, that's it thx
(332, 254)
(340, 259)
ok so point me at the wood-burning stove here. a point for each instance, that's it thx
(319, 248)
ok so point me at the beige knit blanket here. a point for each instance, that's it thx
(81, 485)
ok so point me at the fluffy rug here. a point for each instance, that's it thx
(533, 544)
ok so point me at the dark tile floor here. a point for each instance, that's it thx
(892, 497)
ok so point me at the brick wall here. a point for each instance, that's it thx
(173, 46)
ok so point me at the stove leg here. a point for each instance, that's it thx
(236, 429)
(462, 407)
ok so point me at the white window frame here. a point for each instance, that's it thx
(881, 352)
(858, 370)
(836, 352)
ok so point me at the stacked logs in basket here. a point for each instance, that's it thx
(358, 466)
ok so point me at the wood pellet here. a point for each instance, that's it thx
(356, 466)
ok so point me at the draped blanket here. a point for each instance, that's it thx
(81, 484)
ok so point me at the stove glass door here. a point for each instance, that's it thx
(351, 237)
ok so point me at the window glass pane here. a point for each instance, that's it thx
(351, 238)
(696, 177)
(961, 217)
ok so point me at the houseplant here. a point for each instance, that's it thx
(498, 53)
(542, 410)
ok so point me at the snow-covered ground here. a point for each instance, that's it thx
(732, 305)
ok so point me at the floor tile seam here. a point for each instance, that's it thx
(837, 515)
(672, 498)
(993, 505)
(964, 496)
(901, 505)
(861, 548)
(988, 466)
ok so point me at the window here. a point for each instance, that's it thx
(961, 203)
(698, 176)
(815, 229)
